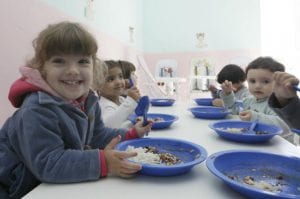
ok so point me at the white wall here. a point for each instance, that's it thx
(171, 25)
(110, 16)
(280, 32)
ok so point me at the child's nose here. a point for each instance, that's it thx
(120, 80)
(258, 85)
(72, 69)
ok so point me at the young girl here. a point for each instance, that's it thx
(57, 134)
(116, 108)
(128, 70)
(259, 77)
(237, 76)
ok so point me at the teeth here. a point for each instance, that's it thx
(72, 82)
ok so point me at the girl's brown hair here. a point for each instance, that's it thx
(62, 38)
(127, 68)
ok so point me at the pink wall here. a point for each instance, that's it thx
(22, 22)
(217, 59)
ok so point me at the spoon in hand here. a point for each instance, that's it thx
(252, 127)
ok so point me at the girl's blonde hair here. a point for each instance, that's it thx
(100, 72)
(62, 38)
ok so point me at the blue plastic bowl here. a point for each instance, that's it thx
(204, 101)
(162, 102)
(262, 132)
(189, 153)
(167, 120)
(209, 112)
(233, 166)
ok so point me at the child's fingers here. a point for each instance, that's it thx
(125, 154)
(113, 142)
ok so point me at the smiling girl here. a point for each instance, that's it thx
(57, 135)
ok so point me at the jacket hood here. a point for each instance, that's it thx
(31, 81)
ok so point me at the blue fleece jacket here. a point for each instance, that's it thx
(44, 141)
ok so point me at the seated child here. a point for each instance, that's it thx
(116, 108)
(284, 100)
(57, 135)
(129, 75)
(259, 74)
(234, 74)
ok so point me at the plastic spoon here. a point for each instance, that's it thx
(142, 108)
(252, 127)
(296, 131)
(296, 88)
(240, 105)
(130, 83)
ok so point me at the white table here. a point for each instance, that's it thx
(198, 183)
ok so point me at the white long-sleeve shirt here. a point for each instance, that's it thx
(116, 116)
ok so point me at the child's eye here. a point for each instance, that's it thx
(58, 60)
(266, 81)
(109, 79)
(121, 76)
(252, 81)
(84, 61)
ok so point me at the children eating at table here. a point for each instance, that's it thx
(259, 75)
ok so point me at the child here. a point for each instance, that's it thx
(57, 134)
(237, 76)
(116, 108)
(128, 70)
(259, 77)
(284, 100)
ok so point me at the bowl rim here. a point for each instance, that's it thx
(162, 99)
(208, 107)
(221, 112)
(211, 167)
(268, 135)
(203, 98)
(202, 151)
(204, 101)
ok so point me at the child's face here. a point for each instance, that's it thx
(260, 82)
(69, 75)
(114, 83)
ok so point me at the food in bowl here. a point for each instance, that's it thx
(257, 174)
(233, 130)
(155, 119)
(151, 155)
(241, 130)
(262, 184)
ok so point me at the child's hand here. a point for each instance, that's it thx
(245, 115)
(227, 87)
(134, 93)
(283, 89)
(117, 162)
(143, 130)
(212, 88)
(218, 102)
